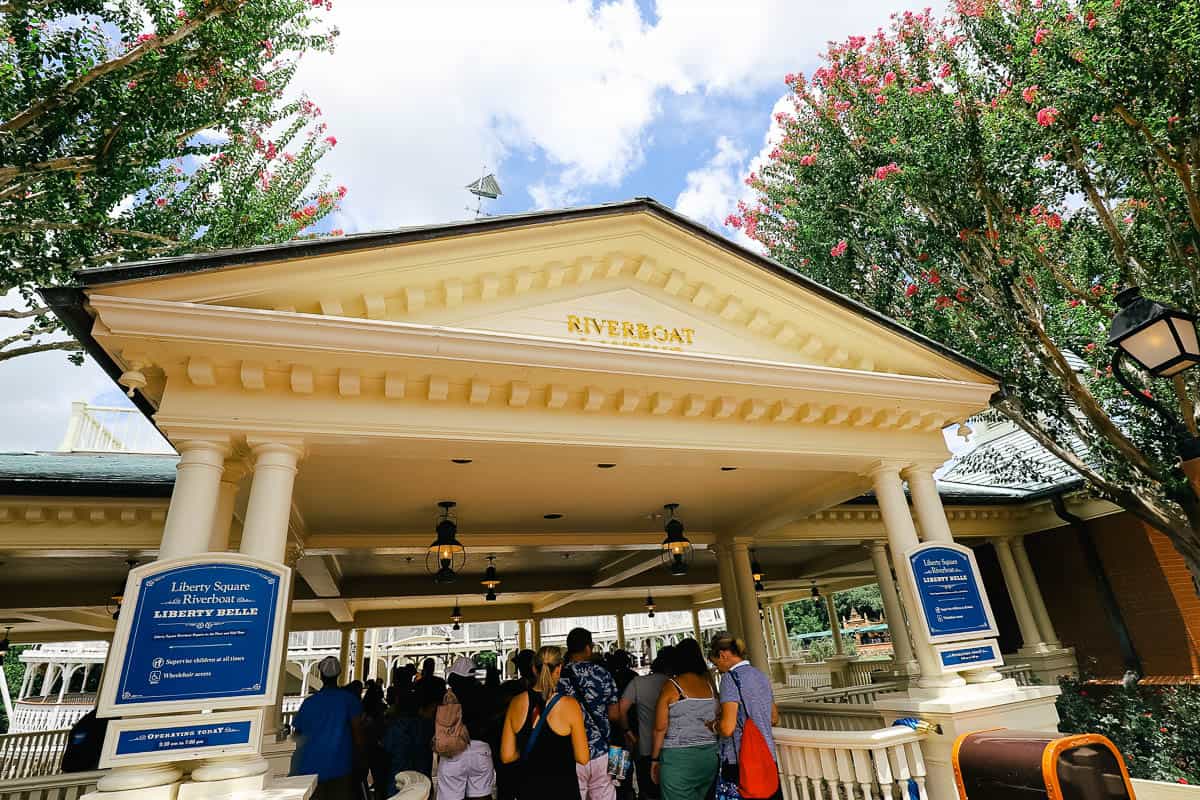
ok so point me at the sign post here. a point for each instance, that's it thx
(955, 615)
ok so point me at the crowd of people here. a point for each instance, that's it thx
(573, 724)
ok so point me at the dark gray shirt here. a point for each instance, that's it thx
(643, 692)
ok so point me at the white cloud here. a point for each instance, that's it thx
(712, 188)
(419, 95)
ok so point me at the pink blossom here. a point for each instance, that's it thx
(841, 105)
(944, 72)
(145, 37)
(160, 201)
(259, 85)
(1029, 93)
(1047, 116)
(331, 141)
(942, 302)
(1040, 35)
(910, 290)
(1073, 303)
(269, 153)
(921, 88)
(882, 173)
(808, 160)
(181, 14)
(131, 85)
(268, 48)
(881, 99)
(1053, 221)
(336, 232)
(1097, 118)
(839, 249)
(889, 78)
(789, 79)
(341, 191)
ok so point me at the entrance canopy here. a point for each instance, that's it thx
(560, 376)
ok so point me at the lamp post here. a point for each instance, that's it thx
(1163, 342)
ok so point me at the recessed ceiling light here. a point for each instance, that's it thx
(552, 516)
(728, 469)
(605, 466)
(461, 460)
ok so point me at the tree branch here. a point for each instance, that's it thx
(68, 163)
(45, 225)
(59, 98)
(6, 313)
(69, 346)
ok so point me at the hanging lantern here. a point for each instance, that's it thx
(762, 615)
(756, 572)
(816, 593)
(456, 617)
(490, 581)
(677, 551)
(5, 644)
(446, 556)
(650, 606)
(1161, 340)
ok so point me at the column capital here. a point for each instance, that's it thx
(920, 470)
(884, 467)
(271, 445)
(208, 449)
(873, 545)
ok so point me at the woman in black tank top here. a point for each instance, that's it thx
(548, 765)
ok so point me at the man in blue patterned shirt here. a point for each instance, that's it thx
(596, 691)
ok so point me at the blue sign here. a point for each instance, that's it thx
(183, 737)
(952, 601)
(968, 655)
(200, 632)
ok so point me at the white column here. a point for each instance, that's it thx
(620, 631)
(305, 668)
(752, 630)
(1034, 592)
(928, 505)
(1030, 635)
(696, 626)
(902, 654)
(835, 625)
(269, 509)
(785, 642)
(26, 679)
(729, 592)
(48, 679)
(902, 535)
(193, 506)
(535, 627)
(522, 642)
(770, 632)
(4, 696)
(344, 656)
(360, 636)
(227, 490)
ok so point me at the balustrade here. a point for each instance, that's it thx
(27, 755)
(50, 787)
(885, 763)
(828, 716)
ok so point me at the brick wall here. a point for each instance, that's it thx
(1153, 590)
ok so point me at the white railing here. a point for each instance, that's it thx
(828, 716)
(862, 670)
(802, 674)
(850, 766)
(1021, 673)
(1160, 790)
(109, 429)
(69, 786)
(854, 695)
(29, 755)
(44, 714)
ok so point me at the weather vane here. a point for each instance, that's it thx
(486, 186)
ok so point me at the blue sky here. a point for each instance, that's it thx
(569, 101)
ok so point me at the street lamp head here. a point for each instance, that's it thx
(1161, 340)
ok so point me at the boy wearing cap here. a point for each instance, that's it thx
(327, 733)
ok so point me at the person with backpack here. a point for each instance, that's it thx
(545, 735)
(748, 769)
(465, 760)
(595, 689)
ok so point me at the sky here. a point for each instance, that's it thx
(568, 103)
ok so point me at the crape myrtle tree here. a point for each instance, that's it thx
(136, 128)
(991, 179)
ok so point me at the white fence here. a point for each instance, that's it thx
(27, 755)
(50, 787)
(109, 429)
(863, 765)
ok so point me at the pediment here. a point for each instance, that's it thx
(641, 279)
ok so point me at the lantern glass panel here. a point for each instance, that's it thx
(1153, 346)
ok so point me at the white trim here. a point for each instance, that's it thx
(109, 757)
(996, 661)
(108, 707)
(922, 629)
(166, 321)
